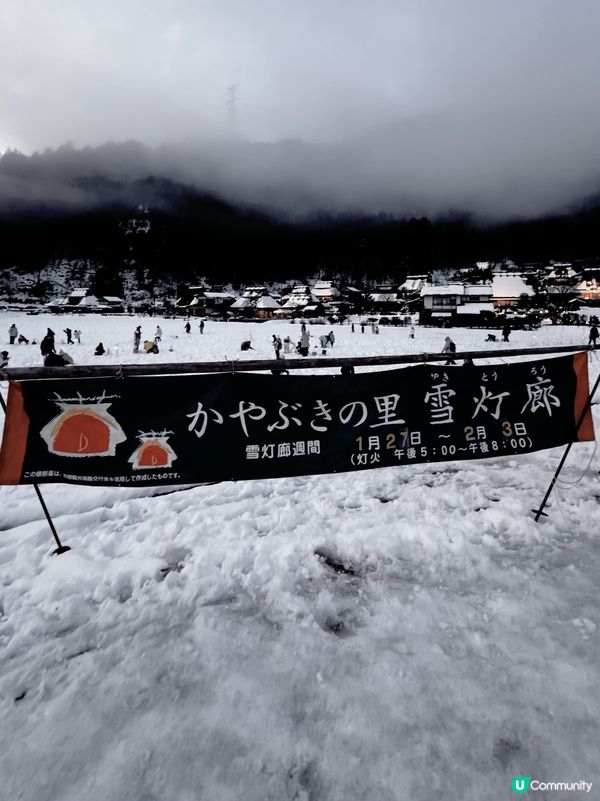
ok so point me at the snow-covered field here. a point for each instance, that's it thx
(192, 647)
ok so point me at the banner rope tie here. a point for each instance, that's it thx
(568, 484)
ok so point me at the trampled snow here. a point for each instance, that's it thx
(192, 645)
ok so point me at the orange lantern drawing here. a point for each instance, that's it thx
(83, 428)
(153, 452)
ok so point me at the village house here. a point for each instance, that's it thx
(325, 292)
(83, 300)
(588, 289)
(384, 298)
(201, 300)
(509, 288)
(561, 281)
(255, 301)
(412, 286)
(465, 304)
(297, 300)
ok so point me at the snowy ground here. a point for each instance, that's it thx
(192, 646)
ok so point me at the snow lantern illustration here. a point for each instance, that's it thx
(84, 427)
(153, 451)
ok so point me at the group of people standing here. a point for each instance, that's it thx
(363, 325)
(70, 334)
(188, 327)
(303, 346)
(15, 337)
(48, 351)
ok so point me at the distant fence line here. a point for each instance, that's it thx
(267, 365)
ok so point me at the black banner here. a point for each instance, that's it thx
(202, 428)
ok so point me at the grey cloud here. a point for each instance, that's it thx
(410, 107)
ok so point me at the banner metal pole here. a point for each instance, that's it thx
(539, 512)
(60, 547)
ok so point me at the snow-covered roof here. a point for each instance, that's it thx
(479, 289)
(509, 285)
(475, 308)
(562, 271)
(412, 284)
(90, 300)
(587, 285)
(447, 289)
(254, 291)
(267, 302)
(262, 302)
(112, 299)
(383, 297)
(80, 292)
(297, 302)
(462, 290)
(219, 295)
(325, 291)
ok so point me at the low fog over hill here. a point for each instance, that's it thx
(426, 167)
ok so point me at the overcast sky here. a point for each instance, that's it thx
(502, 82)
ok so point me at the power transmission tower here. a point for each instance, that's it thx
(232, 117)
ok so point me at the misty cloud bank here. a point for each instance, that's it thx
(429, 166)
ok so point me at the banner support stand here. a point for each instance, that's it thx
(539, 512)
(61, 548)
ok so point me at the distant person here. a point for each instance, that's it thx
(201, 326)
(324, 341)
(4, 357)
(276, 346)
(468, 362)
(137, 338)
(593, 336)
(47, 344)
(246, 345)
(69, 333)
(352, 328)
(449, 348)
(304, 342)
(57, 360)
(77, 335)
(67, 358)
(22, 340)
(188, 327)
(150, 347)
(158, 334)
(505, 332)
(331, 338)
(411, 333)
(362, 328)
(13, 333)
(302, 328)
(287, 345)
(100, 351)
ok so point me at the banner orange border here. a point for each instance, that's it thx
(14, 441)
(586, 430)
